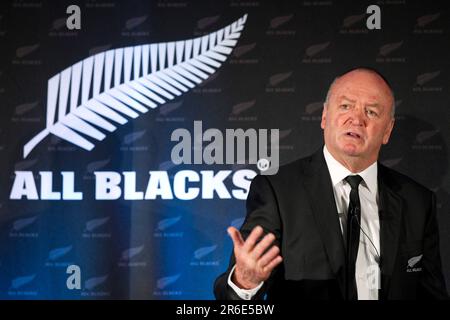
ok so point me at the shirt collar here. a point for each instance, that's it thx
(338, 172)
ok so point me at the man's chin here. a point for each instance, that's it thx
(351, 150)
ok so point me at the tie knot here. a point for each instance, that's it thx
(354, 181)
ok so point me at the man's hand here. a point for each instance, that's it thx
(254, 262)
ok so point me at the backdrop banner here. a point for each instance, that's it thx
(130, 131)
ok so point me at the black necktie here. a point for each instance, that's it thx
(353, 218)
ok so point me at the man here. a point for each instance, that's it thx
(338, 224)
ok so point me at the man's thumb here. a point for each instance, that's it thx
(235, 236)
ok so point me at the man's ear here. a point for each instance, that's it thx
(324, 116)
(388, 131)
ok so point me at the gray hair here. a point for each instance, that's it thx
(369, 70)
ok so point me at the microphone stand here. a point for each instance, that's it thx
(349, 276)
(347, 271)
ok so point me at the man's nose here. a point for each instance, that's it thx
(357, 116)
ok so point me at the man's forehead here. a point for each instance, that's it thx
(372, 100)
(352, 88)
(363, 80)
(362, 74)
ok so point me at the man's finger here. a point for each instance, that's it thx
(262, 246)
(235, 236)
(272, 264)
(253, 237)
(269, 256)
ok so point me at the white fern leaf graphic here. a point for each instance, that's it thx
(131, 252)
(91, 167)
(424, 20)
(200, 253)
(93, 96)
(23, 165)
(425, 135)
(388, 48)
(22, 223)
(21, 281)
(414, 260)
(58, 253)
(278, 78)
(390, 163)
(424, 78)
(134, 22)
(169, 107)
(315, 49)
(95, 223)
(206, 22)
(23, 108)
(278, 21)
(132, 137)
(94, 282)
(164, 282)
(313, 107)
(240, 107)
(349, 21)
(166, 223)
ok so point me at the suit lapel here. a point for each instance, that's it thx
(317, 182)
(390, 213)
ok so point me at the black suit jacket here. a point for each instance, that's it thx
(298, 206)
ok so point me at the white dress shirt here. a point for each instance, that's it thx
(367, 261)
(367, 267)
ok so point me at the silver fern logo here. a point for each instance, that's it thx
(413, 264)
(91, 98)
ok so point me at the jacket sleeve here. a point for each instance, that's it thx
(262, 210)
(432, 283)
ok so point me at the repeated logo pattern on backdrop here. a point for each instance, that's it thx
(89, 187)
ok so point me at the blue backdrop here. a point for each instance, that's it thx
(268, 70)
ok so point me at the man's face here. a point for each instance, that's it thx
(357, 118)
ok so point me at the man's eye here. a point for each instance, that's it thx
(372, 113)
(345, 106)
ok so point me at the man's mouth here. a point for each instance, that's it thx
(353, 135)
